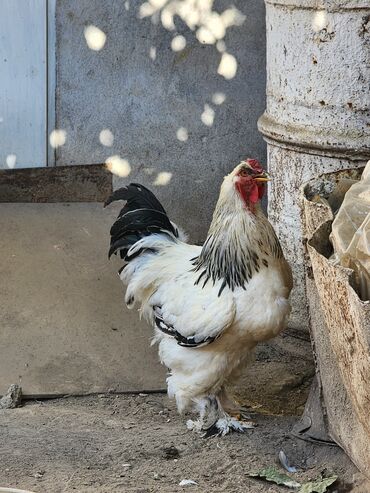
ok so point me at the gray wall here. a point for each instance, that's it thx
(144, 101)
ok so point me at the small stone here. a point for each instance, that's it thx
(12, 398)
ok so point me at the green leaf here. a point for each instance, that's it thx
(274, 475)
(318, 486)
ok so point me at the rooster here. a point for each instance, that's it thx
(209, 305)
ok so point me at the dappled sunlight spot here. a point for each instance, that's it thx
(106, 137)
(158, 4)
(319, 20)
(146, 9)
(127, 5)
(153, 52)
(213, 22)
(208, 115)
(182, 134)
(198, 15)
(218, 98)
(163, 178)
(118, 166)
(205, 36)
(167, 19)
(189, 14)
(95, 37)
(232, 17)
(178, 43)
(221, 46)
(154, 19)
(11, 160)
(57, 138)
(228, 66)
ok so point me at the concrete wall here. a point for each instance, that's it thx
(143, 91)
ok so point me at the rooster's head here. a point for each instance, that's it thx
(250, 179)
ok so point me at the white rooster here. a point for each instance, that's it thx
(210, 305)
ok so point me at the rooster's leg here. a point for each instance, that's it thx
(207, 407)
(231, 406)
(224, 422)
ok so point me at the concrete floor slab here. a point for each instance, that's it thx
(65, 328)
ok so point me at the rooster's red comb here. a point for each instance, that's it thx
(254, 164)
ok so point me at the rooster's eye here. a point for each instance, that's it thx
(244, 172)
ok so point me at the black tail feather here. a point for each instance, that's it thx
(137, 197)
(141, 216)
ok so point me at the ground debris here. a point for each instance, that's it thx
(187, 482)
(284, 462)
(319, 485)
(275, 476)
(12, 398)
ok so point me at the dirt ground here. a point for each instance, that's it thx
(138, 443)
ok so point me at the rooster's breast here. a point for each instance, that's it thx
(262, 309)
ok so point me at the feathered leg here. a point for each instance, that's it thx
(214, 420)
(207, 407)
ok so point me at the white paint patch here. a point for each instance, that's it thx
(153, 52)
(106, 137)
(118, 166)
(11, 160)
(319, 21)
(182, 134)
(178, 43)
(228, 66)
(208, 115)
(57, 138)
(95, 38)
(163, 178)
(218, 98)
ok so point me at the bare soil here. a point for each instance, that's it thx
(138, 443)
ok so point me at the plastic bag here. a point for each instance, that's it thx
(350, 234)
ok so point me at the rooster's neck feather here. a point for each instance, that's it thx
(239, 243)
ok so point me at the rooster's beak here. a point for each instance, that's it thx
(263, 177)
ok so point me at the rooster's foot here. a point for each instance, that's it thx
(241, 414)
(225, 425)
(195, 425)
